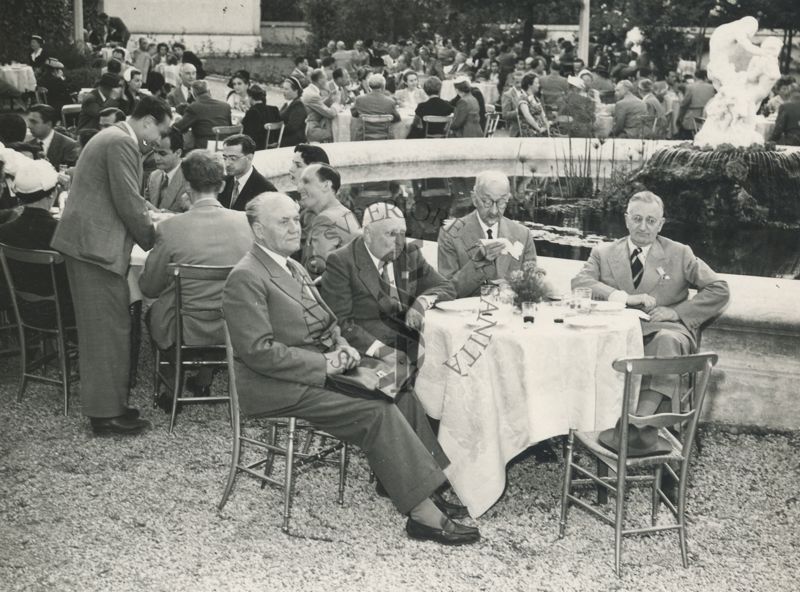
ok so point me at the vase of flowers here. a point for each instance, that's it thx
(528, 284)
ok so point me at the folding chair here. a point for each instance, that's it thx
(376, 127)
(694, 371)
(492, 119)
(69, 116)
(432, 123)
(42, 317)
(224, 131)
(293, 458)
(183, 357)
(274, 127)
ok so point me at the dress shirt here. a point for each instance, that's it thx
(47, 141)
(494, 228)
(187, 92)
(36, 54)
(171, 174)
(622, 295)
(279, 259)
(241, 182)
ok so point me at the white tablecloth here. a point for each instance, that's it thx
(448, 90)
(19, 76)
(765, 126)
(488, 90)
(399, 131)
(138, 256)
(525, 386)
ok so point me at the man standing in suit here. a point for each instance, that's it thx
(207, 234)
(204, 114)
(647, 271)
(182, 94)
(375, 102)
(167, 189)
(106, 94)
(319, 114)
(464, 259)
(333, 225)
(286, 343)
(103, 217)
(509, 103)
(57, 148)
(243, 181)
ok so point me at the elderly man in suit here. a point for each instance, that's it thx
(204, 114)
(167, 189)
(464, 259)
(207, 234)
(243, 182)
(630, 112)
(509, 103)
(58, 148)
(319, 114)
(103, 217)
(654, 273)
(106, 94)
(375, 102)
(182, 94)
(333, 225)
(287, 342)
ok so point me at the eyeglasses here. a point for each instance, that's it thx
(488, 203)
(649, 220)
(232, 157)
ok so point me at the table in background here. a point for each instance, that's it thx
(489, 91)
(399, 130)
(525, 386)
(19, 76)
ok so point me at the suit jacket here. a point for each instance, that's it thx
(255, 185)
(92, 104)
(62, 150)
(670, 270)
(57, 91)
(372, 103)
(554, 89)
(203, 115)
(319, 116)
(694, 102)
(328, 230)
(207, 234)
(351, 286)
(275, 333)
(466, 118)
(294, 120)
(253, 123)
(433, 106)
(630, 117)
(432, 67)
(105, 213)
(170, 197)
(460, 262)
(508, 104)
(787, 124)
(176, 98)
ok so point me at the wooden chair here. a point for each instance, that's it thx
(182, 357)
(376, 127)
(69, 117)
(274, 445)
(224, 131)
(40, 95)
(42, 321)
(432, 123)
(274, 127)
(492, 119)
(694, 371)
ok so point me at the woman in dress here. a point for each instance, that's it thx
(257, 115)
(411, 95)
(239, 83)
(293, 113)
(532, 122)
(467, 114)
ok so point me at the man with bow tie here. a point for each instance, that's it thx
(653, 273)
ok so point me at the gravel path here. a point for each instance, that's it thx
(110, 514)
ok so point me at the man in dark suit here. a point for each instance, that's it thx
(375, 102)
(58, 148)
(103, 217)
(54, 82)
(243, 182)
(167, 189)
(203, 115)
(287, 343)
(433, 106)
(106, 94)
(787, 124)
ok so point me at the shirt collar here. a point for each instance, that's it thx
(380, 264)
(244, 178)
(645, 250)
(171, 174)
(130, 131)
(279, 259)
(494, 227)
(206, 201)
(48, 140)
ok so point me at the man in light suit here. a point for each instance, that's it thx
(654, 273)
(182, 94)
(509, 103)
(103, 217)
(463, 258)
(207, 234)
(203, 115)
(319, 114)
(630, 112)
(287, 342)
(243, 182)
(58, 148)
(375, 102)
(167, 188)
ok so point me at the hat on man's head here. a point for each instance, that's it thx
(53, 63)
(461, 83)
(109, 80)
(642, 441)
(576, 82)
(34, 179)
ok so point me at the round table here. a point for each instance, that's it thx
(498, 389)
(19, 76)
(341, 125)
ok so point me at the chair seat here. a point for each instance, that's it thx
(591, 440)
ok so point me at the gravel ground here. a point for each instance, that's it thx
(117, 514)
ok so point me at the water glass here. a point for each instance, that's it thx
(583, 300)
(528, 312)
(488, 292)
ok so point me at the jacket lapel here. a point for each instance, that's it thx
(279, 276)
(655, 259)
(472, 233)
(621, 266)
(503, 261)
(366, 269)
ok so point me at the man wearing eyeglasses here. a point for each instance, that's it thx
(470, 253)
(653, 273)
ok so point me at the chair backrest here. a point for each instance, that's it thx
(224, 131)
(375, 127)
(20, 297)
(272, 127)
(492, 119)
(693, 371)
(69, 115)
(206, 312)
(437, 126)
(233, 393)
(41, 95)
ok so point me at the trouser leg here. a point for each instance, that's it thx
(665, 343)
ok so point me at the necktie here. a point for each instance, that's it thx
(489, 233)
(316, 317)
(162, 190)
(389, 287)
(637, 269)
(235, 192)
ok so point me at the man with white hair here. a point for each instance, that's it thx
(203, 115)
(630, 112)
(484, 245)
(287, 342)
(375, 102)
(182, 94)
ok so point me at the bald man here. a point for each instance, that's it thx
(287, 342)
(464, 258)
(182, 94)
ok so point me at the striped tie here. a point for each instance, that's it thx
(637, 269)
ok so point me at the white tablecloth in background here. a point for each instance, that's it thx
(526, 386)
(448, 91)
(138, 256)
(489, 91)
(19, 76)
(765, 126)
(399, 131)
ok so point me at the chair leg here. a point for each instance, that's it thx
(269, 463)
(602, 492)
(176, 392)
(156, 368)
(619, 519)
(135, 311)
(684, 477)
(342, 472)
(288, 481)
(23, 358)
(235, 453)
(565, 491)
(64, 369)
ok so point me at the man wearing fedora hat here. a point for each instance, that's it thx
(54, 82)
(105, 94)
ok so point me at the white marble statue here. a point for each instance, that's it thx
(743, 74)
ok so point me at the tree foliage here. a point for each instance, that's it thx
(19, 19)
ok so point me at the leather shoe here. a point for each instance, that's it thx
(380, 489)
(196, 389)
(131, 413)
(449, 509)
(450, 533)
(164, 402)
(118, 425)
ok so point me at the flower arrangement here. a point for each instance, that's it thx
(528, 284)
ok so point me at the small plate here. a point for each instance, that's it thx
(472, 304)
(586, 321)
(606, 306)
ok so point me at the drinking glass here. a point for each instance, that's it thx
(583, 299)
(528, 313)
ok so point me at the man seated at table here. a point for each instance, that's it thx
(630, 112)
(510, 103)
(286, 343)
(319, 115)
(182, 93)
(647, 271)
(243, 182)
(58, 148)
(207, 234)
(204, 114)
(333, 225)
(375, 102)
(106, 94)
(167, 188)
(464, 259)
